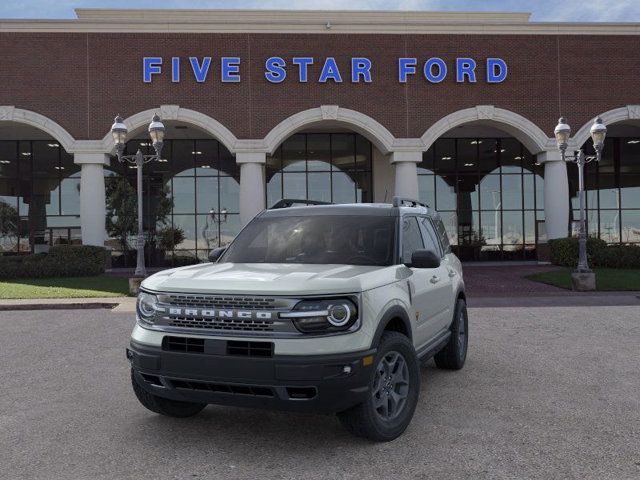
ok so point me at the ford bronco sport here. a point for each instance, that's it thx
(314, 308)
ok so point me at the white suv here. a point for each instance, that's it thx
(314, 308)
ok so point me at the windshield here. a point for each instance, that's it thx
(326, 239)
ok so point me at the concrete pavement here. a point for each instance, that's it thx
(547, 393)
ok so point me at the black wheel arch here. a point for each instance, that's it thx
(395, 319)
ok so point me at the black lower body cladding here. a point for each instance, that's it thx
(312, 384)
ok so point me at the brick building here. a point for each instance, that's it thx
(457, 109)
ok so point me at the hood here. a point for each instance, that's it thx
(271, 278)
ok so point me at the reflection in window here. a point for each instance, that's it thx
(328, 167)
(489, 192)
(39, 196)
(191, 202)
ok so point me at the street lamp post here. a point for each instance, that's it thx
(562, 133)
(156, 132)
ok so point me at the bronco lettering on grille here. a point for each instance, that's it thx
(209, 313)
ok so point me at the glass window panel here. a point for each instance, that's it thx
(411, 238)
(606, 164)
(294, 153)
(206, 157)
(426, 166)
(610, 226)
(229, 194)
(70, 196)
(490, 192)
(530, 228)
(539, 192)
(343, 151)
(182, 160)
(319, 152)
(46, 159)
(469, 228)
(631, 226)
(510, 155)
(445, 195)
(24, 158)
(208, 231)
(187, 223)
(274, 189)
(608, 192)
(363, 153)
(319, 185)
(229, 229)
(445, 156)
(512, 233)
(591, 217)
(59, 221)
(629, 155)
(228, 165)
(8, 159)
(206, 194)
(364, 184)
(488, 158)
(450, 221)
(529, 191)
(467, 194)
(426, 189)
(9, 219)
(67, 167)
(511, 192)
(467, 150)
(344, 188)
(491, 227)
(183, 195)
(294, 185)
(630, 191)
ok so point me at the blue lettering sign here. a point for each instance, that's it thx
(275, 69)
(465, 67)
(428, 70)
(150, 66)
(230, 67)
(200, 71)
(360, 67)
(303, 67)
(496, 70)
(406, 66)
(175, 69)
(331, 71)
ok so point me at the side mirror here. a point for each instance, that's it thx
(424, 259)
(216, 253)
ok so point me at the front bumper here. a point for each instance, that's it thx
(314, 384)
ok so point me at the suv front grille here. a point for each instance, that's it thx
(253, 390)
(220, 301)
(183, 344)
(232, 324)
(250, 349)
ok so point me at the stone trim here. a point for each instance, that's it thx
(9, 113)
(617, 115)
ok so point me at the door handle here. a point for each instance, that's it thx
(452, 273)
(434, 279)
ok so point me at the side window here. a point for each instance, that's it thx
(442, 234)
(411, 238)
(430, 237)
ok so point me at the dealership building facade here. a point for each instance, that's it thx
(455, 109)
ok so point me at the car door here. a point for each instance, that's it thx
(421, 284)
(442, 278)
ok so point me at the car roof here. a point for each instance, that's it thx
(356, 209)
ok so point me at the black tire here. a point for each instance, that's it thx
(164, 406)
(454, 353)
(366, 420)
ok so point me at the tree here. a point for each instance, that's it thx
(122, 211)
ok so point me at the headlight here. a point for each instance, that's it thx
(323, 316)
(146, 307)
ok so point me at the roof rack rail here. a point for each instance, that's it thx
(292, 202)
(407, 202)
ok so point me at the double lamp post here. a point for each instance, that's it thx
(582, 278)
(156, 132)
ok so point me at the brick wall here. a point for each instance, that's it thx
(82, 80)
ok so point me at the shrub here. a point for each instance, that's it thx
(61, 261)
(565, 252)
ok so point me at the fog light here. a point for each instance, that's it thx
(346, 369)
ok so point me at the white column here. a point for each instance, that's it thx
(252, 188)
(556, 195)
(92, 197)
(406, 165)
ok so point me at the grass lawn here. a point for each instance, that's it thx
(606, 278)
(72, 287)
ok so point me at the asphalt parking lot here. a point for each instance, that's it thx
(550, 392)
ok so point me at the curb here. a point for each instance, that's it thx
(58, 306)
